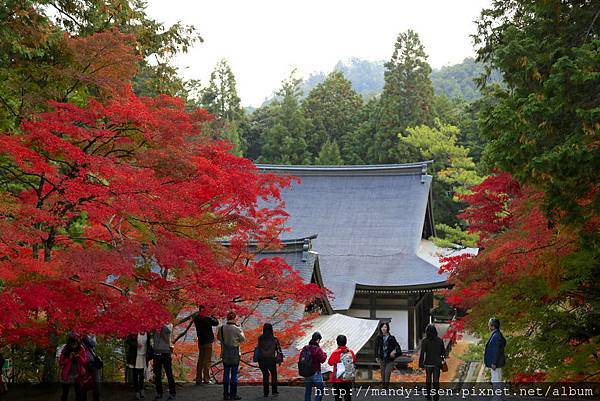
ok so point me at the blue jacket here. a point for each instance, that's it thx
(494, 350)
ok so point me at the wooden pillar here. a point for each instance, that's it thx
(372, 306)
(411, 326)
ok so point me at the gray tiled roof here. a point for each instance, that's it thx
(369, 222)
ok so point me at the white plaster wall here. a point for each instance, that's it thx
(364, 313)
(398, 325)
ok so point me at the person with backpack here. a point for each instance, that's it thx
(433, 353)
(162, 348)
(231, 336)
(204, 331)
(309, 367)
(269, 354)
(387, 350)
(343, 361)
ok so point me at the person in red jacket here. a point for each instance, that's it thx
(340, 359)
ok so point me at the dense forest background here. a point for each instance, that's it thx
(366, 112)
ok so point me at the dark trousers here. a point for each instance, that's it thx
(230, 380)
(432, 372)
(96, 389)
(266, 369)
(79, 395)
(163, 361)
(342, 391)
(138, 379)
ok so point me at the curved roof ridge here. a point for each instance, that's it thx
(404, 168)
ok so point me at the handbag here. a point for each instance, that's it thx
(278, 354)
(95, 362)
(256, 354)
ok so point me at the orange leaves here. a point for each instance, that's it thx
(105, 59)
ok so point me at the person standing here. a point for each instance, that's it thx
(343, 361)
(73, 362)
(387, 350)
(206, 337)
(309, 366)
(493, 357)
(268, 351)
(230, 336)
(95, 364)
(162, 349)
(137, 361)
(433, 353)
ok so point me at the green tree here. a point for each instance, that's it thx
(332, 109)
(355, 144)
(71, 50)
(253, 129)
(544, 126)
(329, 154)
(221, 99)
(454, 171)
(285, 142)
(406, 100)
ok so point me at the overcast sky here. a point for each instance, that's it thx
(264, 39)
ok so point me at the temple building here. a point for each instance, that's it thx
(372, 225)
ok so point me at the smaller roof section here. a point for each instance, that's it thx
(358, 331)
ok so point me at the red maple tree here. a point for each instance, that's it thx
(530, 273)
(111, 217)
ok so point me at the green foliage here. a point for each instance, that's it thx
(221, 99)
(285, 142)
(454, 171)
(355, 144)
(406, 100)
(329, 154)
(332, 109)
(543, 126)
(451, 237)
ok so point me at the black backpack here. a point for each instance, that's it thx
(305, 363)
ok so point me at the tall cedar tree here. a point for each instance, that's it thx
(221, 99)
(332, 109)
(285, 141)
(406, 100)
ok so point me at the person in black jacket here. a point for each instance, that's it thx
(206, 337)
(268, 347)
(433, 353)
(387, 350)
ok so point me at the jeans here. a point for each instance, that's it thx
(432, 372)
(160, 361)
(230, 380)
(266, 369)
(316, 381)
